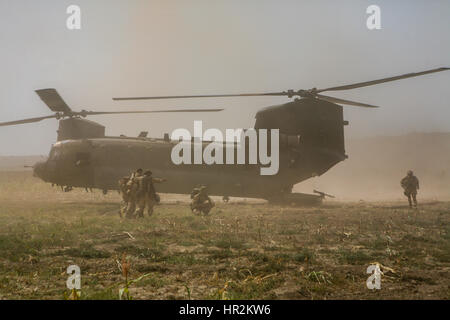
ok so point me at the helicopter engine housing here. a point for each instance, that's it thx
(77, 128)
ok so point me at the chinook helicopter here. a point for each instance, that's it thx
(311, 130)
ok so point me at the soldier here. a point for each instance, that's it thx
(123, 191)
(410, 185)
(137, 173)
(146, 194)
(131, 192)
(201, 202)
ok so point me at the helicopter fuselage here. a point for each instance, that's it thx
(311, 142)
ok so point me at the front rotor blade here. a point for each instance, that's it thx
(53, 100)
(338, 100)
(374, 82)
(30, 120)
(93, 113)
(205, 96)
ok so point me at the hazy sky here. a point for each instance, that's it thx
(138, 47)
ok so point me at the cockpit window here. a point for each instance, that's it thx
(55, 153)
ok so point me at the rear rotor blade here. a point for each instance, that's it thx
(374, 82)
(30, 120)
(348, 102)
(205, 96)
(53, 100)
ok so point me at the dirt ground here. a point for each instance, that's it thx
(246, 249)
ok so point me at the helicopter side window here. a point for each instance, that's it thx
(82, 159)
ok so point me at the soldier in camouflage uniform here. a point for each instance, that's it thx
(146, 194)
(410, 185)
(201, 202)
(132, 189)
(123, 191)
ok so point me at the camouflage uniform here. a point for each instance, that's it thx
(123, 191)
(201, 202)
(132, 190)
(146, 194)
(410, 185)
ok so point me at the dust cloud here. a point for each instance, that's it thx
(375, 166)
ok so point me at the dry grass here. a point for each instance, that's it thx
(241, 251)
